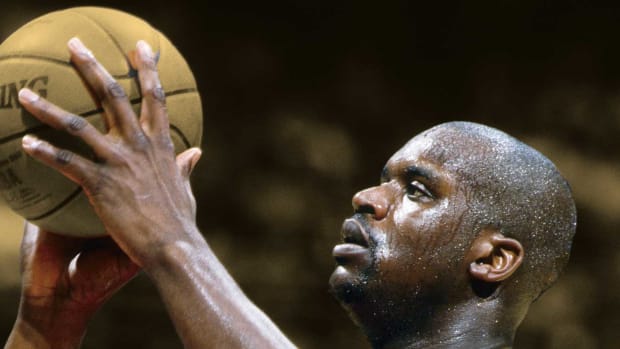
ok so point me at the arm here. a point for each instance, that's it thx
(208, 308)
(65, 280)
(147, 207)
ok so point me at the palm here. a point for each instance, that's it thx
(71, 272)
(99, 273)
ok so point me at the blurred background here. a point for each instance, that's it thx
(304, 102)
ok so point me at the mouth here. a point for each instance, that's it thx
(353, 233)
(355, 246)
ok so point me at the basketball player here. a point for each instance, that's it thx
(467, 227)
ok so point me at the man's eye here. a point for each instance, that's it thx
(417, 191)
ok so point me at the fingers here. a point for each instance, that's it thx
(44, 254)
(103, 258)
(66, 162)
(153, 112)
(31, 234)
(187, 160)
(52, 115)
(119, 113)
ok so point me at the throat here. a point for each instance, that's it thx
(464, 341)
(470, 325)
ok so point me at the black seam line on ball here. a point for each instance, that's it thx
(128, 75)
(74, 194)
(57, 207)
(103, 29)
(38, 128)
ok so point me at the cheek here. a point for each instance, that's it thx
(418, 219)
(411, 212)
(419, 232)
(406, 210)
(402, 241)
(383, 253)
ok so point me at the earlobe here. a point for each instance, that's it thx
(494, 257)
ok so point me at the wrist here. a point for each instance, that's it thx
(26, 334)
(53, 323)
(176, 250)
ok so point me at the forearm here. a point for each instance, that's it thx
(207, 307)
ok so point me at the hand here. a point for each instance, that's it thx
(138, 189)
(142, 195)
(65, 280)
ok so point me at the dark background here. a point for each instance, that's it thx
(304, 102)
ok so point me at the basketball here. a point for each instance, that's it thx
(36, 57)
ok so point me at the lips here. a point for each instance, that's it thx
(355, 248)
(353, 233)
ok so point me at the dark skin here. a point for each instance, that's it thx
(413, 271)
(398, 274)
(59, 297)
(141, 192)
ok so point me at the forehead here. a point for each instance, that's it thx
(424, 150)
(453, 149)
(415, 149)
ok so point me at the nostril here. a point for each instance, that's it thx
(365, 209)
(372, 201)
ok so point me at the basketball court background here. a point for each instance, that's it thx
(304, 102)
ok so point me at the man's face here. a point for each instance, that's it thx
(402, 244)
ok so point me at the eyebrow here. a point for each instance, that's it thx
(416, 171)
(410, 172)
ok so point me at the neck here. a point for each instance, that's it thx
(470, 339)
(473, 324)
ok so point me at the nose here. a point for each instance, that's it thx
(373, 201)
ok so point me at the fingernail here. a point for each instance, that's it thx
(144, 48)
(77, 46)
(27, 96)
(29, 142)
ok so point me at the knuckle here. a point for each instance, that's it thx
(156, 93)
(74, 123)
(63, 157)
(115, 90)
(94, 184)
(159, 94)
(140, 140)
(150, 64)
(167, 143)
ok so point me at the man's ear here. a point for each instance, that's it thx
(494, 257)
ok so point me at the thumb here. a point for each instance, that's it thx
(187, 160)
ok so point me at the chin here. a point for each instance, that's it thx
(346, 287)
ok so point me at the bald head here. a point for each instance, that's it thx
(512, 188)
(466, 228)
